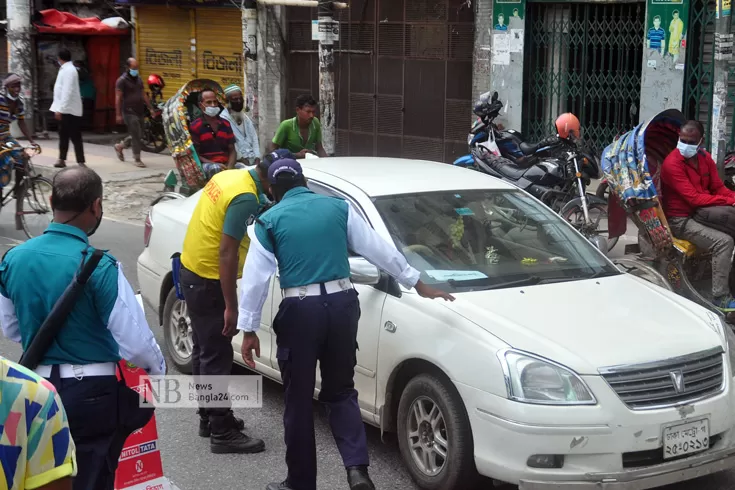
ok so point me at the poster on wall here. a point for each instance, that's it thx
(666, 27)
(508, 15)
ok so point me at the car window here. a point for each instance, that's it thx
(485, 238)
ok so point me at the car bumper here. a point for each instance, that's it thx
(597, 443)
(645, 478)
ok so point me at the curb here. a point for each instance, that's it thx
(117, 177)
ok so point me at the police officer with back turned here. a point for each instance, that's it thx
(307, 237)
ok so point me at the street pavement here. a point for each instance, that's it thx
(186, 457)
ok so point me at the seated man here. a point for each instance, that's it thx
(212, 136)
(690, 183)
(246, 138)
(303, 133)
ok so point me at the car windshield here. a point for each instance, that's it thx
(485, 239)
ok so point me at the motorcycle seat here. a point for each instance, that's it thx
(530, 148)
(512, 171)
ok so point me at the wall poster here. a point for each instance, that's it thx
(666, 31)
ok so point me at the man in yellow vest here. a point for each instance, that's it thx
(212, 260)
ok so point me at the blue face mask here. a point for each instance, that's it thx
(133, 73)
(686, 150)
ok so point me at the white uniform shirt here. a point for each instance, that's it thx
(67, 97)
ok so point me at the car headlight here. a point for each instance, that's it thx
(730, 347)
(532, 379)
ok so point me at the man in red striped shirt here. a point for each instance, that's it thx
(212, 136)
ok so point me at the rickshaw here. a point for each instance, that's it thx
(178, 112)
(632, 167)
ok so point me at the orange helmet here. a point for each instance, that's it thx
(567, 125)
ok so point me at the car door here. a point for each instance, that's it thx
(265, 334)
(371, 307)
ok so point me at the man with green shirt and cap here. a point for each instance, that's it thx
(303, 133)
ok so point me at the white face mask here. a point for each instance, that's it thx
(212, 111)
(10, 96)
(687, 150)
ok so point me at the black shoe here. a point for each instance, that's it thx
(357, 477)
(60, 164)
(226, 439)
(205, 430)
(279, 486)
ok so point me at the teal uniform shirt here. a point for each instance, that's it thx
(241, 208)
(307, 233)
(106, 322)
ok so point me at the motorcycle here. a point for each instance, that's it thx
(154, 137)
(555, 170)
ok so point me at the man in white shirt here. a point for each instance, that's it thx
(67, 109)
(246, 139)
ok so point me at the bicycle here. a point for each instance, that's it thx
(30, 189)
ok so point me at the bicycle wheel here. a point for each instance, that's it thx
(35, 207)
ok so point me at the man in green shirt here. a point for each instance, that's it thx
(303, 133)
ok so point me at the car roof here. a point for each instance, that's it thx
(382, 176)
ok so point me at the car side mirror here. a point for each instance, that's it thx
(363, 272)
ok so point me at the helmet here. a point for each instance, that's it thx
(155, 81)
(568, 125)
(487, 105)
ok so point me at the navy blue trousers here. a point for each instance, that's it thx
(319, 328)
(91, 406)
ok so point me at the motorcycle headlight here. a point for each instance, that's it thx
(532, 379)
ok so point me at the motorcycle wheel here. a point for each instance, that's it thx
(154, 139)
(603, 192)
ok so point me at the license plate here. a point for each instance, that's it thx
(687, 438)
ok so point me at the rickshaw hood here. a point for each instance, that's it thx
(590, 324)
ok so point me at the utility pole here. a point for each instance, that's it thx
(250, 56)
(328, 31)
(20, 56)
(723, 55)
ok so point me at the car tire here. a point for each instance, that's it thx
(458, 471)
(172, 309)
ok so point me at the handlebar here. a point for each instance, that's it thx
(36, 149)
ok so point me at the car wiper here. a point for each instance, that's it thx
(604, 273)
(528, 281)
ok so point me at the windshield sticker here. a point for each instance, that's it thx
(529, 261)
(557, 259)
(464, 212)
(444, 276)
(491, 256)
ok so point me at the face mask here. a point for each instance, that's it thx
(687, 151)
(237, 106)
(10, 96)
(212, 111)
(133, 73)
(99, 221)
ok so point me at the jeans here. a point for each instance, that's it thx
(134, 124)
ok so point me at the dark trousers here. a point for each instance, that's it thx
(134, 138)
(322, 328)
(91, 406)
(212, 352)
(70, 128)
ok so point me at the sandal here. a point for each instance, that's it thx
(139, 164)
(119, 152)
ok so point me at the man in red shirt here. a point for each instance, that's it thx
(690, 182)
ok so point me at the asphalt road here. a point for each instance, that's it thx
(186, 457)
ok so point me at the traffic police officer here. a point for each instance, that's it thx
(212, 260)
(106, 324)
(307, 237)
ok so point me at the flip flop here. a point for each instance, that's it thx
(119, 152)
(139, 164)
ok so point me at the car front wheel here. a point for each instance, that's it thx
(434, 435)
(177, 332)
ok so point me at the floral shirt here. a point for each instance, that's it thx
(36, 447)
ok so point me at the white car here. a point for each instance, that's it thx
(551, 368)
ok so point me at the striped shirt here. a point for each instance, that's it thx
(6, 116)
(210, 144)
(656, 36)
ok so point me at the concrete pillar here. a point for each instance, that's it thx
(723, 55)
(481, 57)
(20, 56)
(662, 74)
(507, 30)
(326, 75)
(250, 55)
(271, 62)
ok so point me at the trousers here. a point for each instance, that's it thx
(319, 328)
(134, 138)
(720, 244)
(91, 406)
(212, 353)
(70, 128)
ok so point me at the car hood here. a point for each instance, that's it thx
(590, 324)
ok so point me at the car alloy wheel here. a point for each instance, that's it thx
(427, 436)
(182, 344)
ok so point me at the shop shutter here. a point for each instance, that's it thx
(164, 46)
(219, 45)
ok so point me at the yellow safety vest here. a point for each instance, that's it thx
(204, 234)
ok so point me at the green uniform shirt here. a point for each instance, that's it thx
(240, 209)
(288, 135)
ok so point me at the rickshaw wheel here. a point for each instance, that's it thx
(673, 274)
